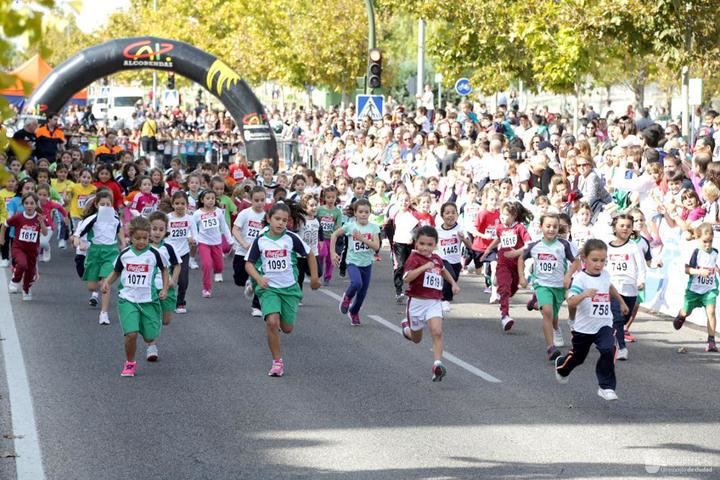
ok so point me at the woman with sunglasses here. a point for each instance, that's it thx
(590, 185)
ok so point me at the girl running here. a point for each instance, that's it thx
(702, 287)
(425, 276)
(101, 229)
(641, 237)
(272, 264)
(248, 225)
(451, 238)
(48, 208)
(211, 226)
(511, 236)
(403, 227)
(310, 232)
(330, 217)
(581, 230)
(484, 232)
(627, 272)
(182, 235)
(143, 201)
(193, 196)
(226, 204)
(7, 193)
(363, 238)
(590, 294)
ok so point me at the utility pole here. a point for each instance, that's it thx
(420, 61)
(371, 35)
(155, 77)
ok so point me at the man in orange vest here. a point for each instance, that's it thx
(108, 151)
(49, 139)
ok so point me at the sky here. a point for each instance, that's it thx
(93, 12)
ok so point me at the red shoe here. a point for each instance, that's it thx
(629, 337)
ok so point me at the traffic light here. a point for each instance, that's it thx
(171, 81)
(375, 68)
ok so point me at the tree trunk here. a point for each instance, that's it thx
(638, 87)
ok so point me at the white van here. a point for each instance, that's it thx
(117, 102)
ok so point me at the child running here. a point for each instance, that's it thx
(590, 295)
(139, 299)
(101, 229)
(424, 273)
(330, 217)
(310, 232)
(211, 226)
(551, 276)
(451, 237)
(182, 234)
(272, 264)
(511, 236)
(363, 238)
(702, 287)
(248, 225)
(49, 208)
(404, 223)
(29, 225)
(484, 232)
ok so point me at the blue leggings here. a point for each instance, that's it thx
(359, 283)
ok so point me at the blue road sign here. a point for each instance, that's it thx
(371, 105)
(463, 87)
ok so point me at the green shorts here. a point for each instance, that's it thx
(550, 296)
(100, 262)
(142, 318)
(641, 296)
(280, 300)
(170, 302)
(697, 300)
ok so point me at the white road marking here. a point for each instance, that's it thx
(28, 463)
(446, 355)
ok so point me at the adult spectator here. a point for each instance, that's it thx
(643, 119)
(148, 134)
(108, 151)
(23, 141)
(540, 175)
(428, 101)
(591, 186)
(452, 154)
(49, 139)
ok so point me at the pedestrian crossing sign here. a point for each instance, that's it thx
(369, 105)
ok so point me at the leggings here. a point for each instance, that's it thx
(359, 283)
(240, 276)
(211, 257)
(401, 252)
(80, 265)
(507, 279)
(454, 269)
(183, 280)
(5, 249)
(303, 269)
(24, 265)
(620, 320)
(325, 265)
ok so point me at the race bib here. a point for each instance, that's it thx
(275, 261)
(546, 263)
(148, 210)
(618, 263)
(209, 222)
(492, 231)
(704, 283)
(433, 281)
(179, 229)
(136, 275)
(327, 224)
(450, 247)
(83, 200)
(254, 229)
(508, 240)
(359, 246)
(600, 305)
(28, 234)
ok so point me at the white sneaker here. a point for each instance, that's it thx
(4, 263)
(249, 292)
(193, 264)
(400, 298)
(622, 354)
(445, 306)
(27, 296)
(558, 338)
(104, 318)
(218, 278)
(256, 312)
(62, 244)
(494, 297)
(559, 377)
(45, 256)
(14, 287)
(181, 310)
(607, 394)
(507, 323)
(152, 353)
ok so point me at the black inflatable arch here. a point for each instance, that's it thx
(161, 54)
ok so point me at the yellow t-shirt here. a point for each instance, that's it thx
(61, 187)
(5, 197)
(79, 198)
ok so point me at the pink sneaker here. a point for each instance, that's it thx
(345, 305)
(206, 294)
(128, 369)
(403, 325)
(277, 369)
(354, 319)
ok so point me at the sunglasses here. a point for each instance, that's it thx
(583, 165)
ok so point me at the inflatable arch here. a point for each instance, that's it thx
(161, 54)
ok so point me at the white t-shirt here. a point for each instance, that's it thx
(449, 243)
(180, 231)
(707, 260)
(627, 267)
(551, 261)
(311, 234)
(592, 313)
(211, 226)
(250, 224)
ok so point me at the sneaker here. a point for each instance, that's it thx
(128, 369)
(532, 304)
(256, 312)
(494, 297)
(104, 319)
(206, 294)
(45, 257)
(354, 319)
(62, 244)
(218, 278)
(607, 394)
(403, 325)
(445, 306)
(193, 264)
(553, 353)
(378, 258)
(152, 353)
(711, 347)
(559, 377)
(343, 273)
(400, 298)
(622, 354)
(93, 300)
(326, 283)
(249, 291)
(277, 369)
(678, 322)
(558, 338)
(507, 323)
(487, 290)
(181, 310)
(439, 371)
(14, 287)
(345, 304)
(27, 296)
(630, 338)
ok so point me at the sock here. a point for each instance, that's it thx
(437, 362)
(94, 295)
(550, 348)
(407, 332)
(711, 338)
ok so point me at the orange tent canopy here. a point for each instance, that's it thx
(34, 72)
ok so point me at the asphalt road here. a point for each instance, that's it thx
(355, 403)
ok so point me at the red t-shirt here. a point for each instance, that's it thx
(27, 231)
(430, 283)
(239, 172)
(487, 223)
(424, 219)
(511, 238)
(116, 189)
(48, 209)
